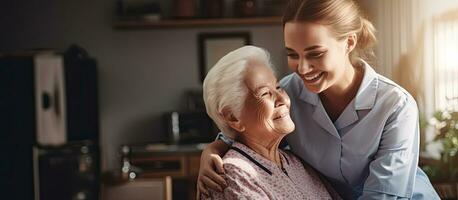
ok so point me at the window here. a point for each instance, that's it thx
(445, 60)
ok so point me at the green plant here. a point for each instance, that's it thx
(445, 125)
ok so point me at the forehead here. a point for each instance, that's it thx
(306, 33)
(258, 75)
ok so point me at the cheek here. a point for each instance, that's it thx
(292, 64)
(257, 113)
(262, 112)
(329, 63)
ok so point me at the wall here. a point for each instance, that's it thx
(142, 73)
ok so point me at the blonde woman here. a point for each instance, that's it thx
(357, 128)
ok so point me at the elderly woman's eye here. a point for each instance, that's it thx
(265, 94)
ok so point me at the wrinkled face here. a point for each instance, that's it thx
(266, 109)
(315, 54)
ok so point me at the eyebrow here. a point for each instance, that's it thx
(306, 49)
(260, 88)
(265, 86)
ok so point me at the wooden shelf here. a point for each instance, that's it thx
(192, 23)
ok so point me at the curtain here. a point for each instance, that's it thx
(418, 49)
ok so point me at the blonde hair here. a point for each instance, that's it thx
(224, 86)
(343, 17)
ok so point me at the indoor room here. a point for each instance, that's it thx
(105, 100)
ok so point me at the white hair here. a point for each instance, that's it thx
(224, 86)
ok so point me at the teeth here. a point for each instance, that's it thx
(282, 115)
(309, 78)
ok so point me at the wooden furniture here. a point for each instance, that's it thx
(179, 162)
(140, 189)
(446, 190)
(193, 23)
(445, 187)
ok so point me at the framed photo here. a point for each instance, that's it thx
(213, 46)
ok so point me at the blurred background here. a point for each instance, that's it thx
(102, 99)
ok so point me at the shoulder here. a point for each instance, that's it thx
(235, 164)
(291, 83)
(393, 97)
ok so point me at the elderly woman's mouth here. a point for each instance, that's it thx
(282, 115)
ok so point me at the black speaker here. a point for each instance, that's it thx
(81, 95)
(17, 127)
(45, 99)
(67, 172)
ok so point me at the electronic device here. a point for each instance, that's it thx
(189, 127)
(66, 172)
(46, 98)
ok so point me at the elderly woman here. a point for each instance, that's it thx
(244, 99)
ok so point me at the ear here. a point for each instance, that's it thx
(351, 42)
(233, 121)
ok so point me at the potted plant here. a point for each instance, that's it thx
(444, 172)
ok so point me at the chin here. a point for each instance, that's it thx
(290, 129)
(287, 128)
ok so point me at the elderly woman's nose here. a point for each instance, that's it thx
(280, 99)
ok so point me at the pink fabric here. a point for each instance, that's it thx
(246, 180)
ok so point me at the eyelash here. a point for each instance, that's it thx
(265, 93)
(292, 56)
(311, 55)
(268, 93)
(316, 55)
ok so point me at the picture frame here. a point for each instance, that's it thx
(213, 46)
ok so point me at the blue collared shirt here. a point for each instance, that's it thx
(371, 151)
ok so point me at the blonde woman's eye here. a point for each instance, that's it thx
(292, 56)
(316, 55)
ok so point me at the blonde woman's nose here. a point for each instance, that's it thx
(303, 67)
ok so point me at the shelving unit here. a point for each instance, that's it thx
(192, 23)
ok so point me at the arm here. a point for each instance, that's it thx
(392, 172)
(211, 166)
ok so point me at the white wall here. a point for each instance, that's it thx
(142, 73)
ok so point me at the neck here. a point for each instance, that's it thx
(266, 148)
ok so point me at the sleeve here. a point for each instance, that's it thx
(392, 172)
(241, 185)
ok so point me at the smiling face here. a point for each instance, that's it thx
(316, 55)
(266, 108)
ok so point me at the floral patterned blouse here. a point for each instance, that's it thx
(252, 176)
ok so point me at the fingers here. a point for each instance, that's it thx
(197, 193)
(212, 184)
(201, 189)
(218, 163)
(217, 178)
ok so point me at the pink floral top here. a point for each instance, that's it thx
(251, 176)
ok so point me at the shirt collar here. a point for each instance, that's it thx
(367, 92)
(365, 98)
